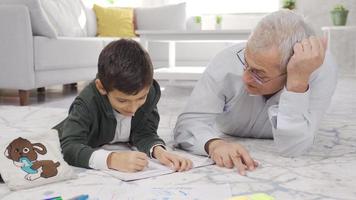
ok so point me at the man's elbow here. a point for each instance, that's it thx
(294, 148)
(181, 140)
(188, 142)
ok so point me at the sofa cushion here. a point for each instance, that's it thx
(39, 20)
(67, 16)
(66, 52)
(90, 24)
(169, 17)
(107, 40)
(114, 21)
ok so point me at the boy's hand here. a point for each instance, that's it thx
(308, 56)
(171, 160)
(128, 161)
(230, 155)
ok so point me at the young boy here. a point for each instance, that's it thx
(120, 105)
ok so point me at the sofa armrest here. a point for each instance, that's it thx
(16, 48)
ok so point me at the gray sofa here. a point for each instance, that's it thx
(29, 61)
(36, 52)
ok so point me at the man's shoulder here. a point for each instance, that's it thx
(227, 57)
(229, 51)
(226, 63)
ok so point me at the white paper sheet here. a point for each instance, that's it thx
(154, 167)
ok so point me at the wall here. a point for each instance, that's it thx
(316, 12)
(199, 53)
(342, 43)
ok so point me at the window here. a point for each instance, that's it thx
(202, 7)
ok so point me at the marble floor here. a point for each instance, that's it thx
(327, 171)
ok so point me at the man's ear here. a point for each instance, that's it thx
(100, 87)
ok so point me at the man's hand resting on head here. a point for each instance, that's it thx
(230, 155)
(308, 56)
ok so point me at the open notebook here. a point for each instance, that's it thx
(154, 167)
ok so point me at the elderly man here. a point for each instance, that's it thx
(277, 85)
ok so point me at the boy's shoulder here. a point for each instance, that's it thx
(88, 91)
(91, 97)
(154, 94)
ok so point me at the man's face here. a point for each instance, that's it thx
(266, 66)
(126, 104)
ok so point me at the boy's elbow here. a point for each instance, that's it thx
(71, 154)
(68, 155)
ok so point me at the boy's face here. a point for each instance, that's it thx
(123, 103)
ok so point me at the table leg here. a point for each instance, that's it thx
(354, 45)
(172, 54)
(327, 34)
(171, 58)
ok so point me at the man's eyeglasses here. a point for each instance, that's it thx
(254, 74)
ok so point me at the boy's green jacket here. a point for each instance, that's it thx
(91, 123)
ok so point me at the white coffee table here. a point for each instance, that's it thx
(186, 73)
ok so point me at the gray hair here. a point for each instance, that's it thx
(281, 29)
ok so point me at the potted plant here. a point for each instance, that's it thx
(218, 20)
(111, 1)
(288, 4)
(339, 15)
(197, 19)
(194, 23)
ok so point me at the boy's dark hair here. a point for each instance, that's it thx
(125, 66)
